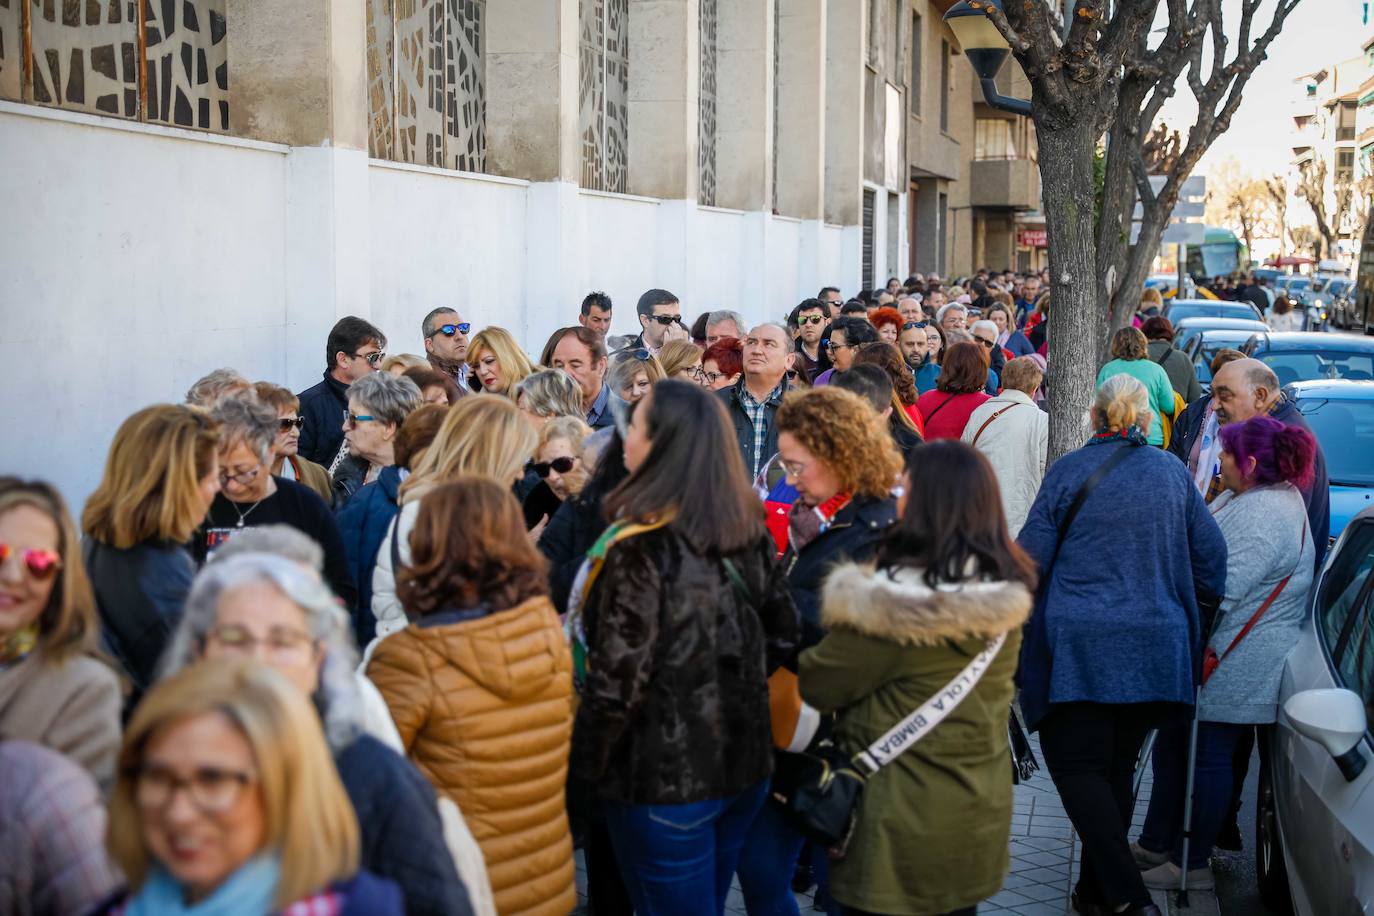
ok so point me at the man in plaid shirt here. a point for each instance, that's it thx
(754, 399)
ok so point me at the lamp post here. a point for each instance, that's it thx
(986, 50)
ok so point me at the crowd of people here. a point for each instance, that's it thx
(406, 640)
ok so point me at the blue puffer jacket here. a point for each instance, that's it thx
(363, 522)
(1117, 619)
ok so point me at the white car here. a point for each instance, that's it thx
(1315, 821)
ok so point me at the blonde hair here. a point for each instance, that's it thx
(67, 626)
(573, 431)
(1123, 402)
(488, 436)
(677, 355)
(627, 366)
(1151, 297)
(403, 361)
(151, 486)
(515, 365)
(309, 820)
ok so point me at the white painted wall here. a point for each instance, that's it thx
(136, 258)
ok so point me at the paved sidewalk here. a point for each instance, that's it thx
(1044, 859)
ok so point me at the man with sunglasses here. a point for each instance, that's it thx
(810, 318)
(354, 349)
(446, 344)
(660, 320)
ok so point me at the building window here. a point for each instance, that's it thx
(427, 82)
(1345, 164)
(993, 139)
(162, 62)
(896, 37)
(603, 93)
(866, 281)
(706, 121)
(1345, 125)
(914, 90)
(944, 84)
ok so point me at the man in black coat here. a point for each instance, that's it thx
(353, 350)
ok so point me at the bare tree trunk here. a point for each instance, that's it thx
(1076, 313)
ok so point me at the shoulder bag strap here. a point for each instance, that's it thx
(396, 545)
(930, 713)
(1079, 498)
(1273, 596)
(942, 404)
(988, 421)
(737, 580)
(1164, 355)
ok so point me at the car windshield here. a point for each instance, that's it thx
(1345, 429)
(1303, 365)
(1208, 349)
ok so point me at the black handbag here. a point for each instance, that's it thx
(819, 790)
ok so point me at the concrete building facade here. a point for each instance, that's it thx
(216, 182)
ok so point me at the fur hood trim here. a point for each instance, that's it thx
(903, 609)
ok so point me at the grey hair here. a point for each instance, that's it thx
(337, 697)
(427, 326)
(722, 316)
(248, 420)
(944, 309)
(389, 398)
(1261, 376)
(210, 389)
(278, 540)
(986, 325)
(551, 393)
(786, 331)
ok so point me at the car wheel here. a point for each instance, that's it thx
(1270, 871)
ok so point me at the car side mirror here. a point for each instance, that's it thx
(1335, 719)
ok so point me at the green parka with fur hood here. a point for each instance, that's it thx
(933, 825)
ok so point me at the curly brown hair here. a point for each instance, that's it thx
(470, 548)
(843, 432)
(889, 359)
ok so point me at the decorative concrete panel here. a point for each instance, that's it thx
(706, 103)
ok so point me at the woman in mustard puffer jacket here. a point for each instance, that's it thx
(480, 686)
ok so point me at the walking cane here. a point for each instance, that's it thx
(1188, 801)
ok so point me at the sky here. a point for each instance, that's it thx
(1315, 34)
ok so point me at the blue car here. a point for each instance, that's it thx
(1341, 414)
(1296, 356)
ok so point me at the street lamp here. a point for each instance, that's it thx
(986, 50)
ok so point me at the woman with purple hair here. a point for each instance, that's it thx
(1269, 571)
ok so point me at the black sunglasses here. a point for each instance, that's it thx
(810, 319)
(640, 354)
(914, 324)
(561, 465)
(665, 319)
(286, 425)
(449, 330)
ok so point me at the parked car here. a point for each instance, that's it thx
(1341, 414)
(1185, 329)
(1314, 824)
(1338, 299)
(1202, 348)
(1176, 309)
(1297, 356)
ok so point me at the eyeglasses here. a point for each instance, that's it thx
(639, 353)
(811, 319)
(41, 564)
(286, 424)
(987, 343)
(792, 469)
(283, 644)
(450, 330)
(242, 478)
(351, 419)
(561, 465)
(914, 324)
(712, 377)
(665, 320)
(211, 789)
(832, 346)
(372, 358)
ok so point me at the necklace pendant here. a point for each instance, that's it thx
(240, 524)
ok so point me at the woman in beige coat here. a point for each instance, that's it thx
(53, 690)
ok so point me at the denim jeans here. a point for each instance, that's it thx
(1212, 789)
(678, 860)
(768, 861)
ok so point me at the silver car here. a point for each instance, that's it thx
(1315, 819)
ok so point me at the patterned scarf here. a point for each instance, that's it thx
(19, 644)
(805, 523)
(1131, 434)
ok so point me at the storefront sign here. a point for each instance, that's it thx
(1031, 238)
